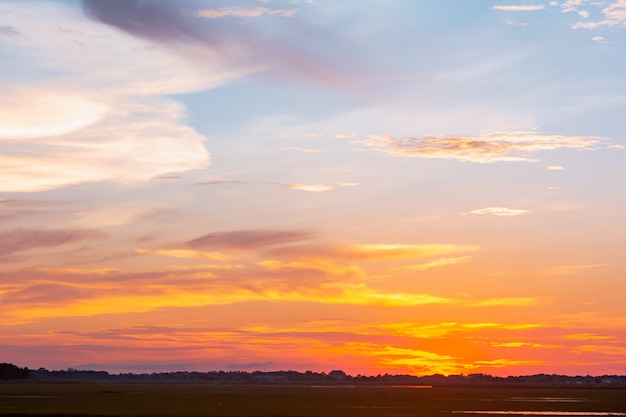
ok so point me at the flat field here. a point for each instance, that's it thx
(185, 400)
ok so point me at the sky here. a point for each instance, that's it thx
(398, 186)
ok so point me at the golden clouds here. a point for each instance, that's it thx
(225, 268)
(444, 329)
(589, 336)
(402, 251)
(508, 301)
(523, 344)
(372, 252)
(570, 269)
(60, 293)
(419, 361)
(435, 264)
(186, 253)
(497, 147)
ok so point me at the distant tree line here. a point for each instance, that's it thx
(335, 377)
(10, 371)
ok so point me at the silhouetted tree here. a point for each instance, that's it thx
(10, 371)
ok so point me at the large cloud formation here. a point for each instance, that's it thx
(97, 110)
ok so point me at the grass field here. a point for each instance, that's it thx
(182, 400)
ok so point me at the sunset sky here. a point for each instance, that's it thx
(379, 186)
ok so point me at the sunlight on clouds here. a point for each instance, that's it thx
(524, 344)
(604, 349)
(106, 125)
(325, 267)
(511, 302)
(496, 147)
(308, 187)
(131, 152)
(418, 361)
(589, 336)
(370, 252)
(283, 256)
(505, 363)
(54, 292)
(443, 329)
(371, 297)
(570, 269)
(25, 113)
(500, 211)
(186, 254)
(435, 264)
(400, 251)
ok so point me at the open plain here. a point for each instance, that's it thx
(183, 400)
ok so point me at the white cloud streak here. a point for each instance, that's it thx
(500, 211)
(243, 12)
(513, 8)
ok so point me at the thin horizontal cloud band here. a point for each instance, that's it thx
(497, 147)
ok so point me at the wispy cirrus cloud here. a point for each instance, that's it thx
(249, 239)
(19, 240)
(43, 293)
(248, 265)
(500, 211)
(170, 24)
(435, 264)
(508, 301)
(570, 269)
(29, 203)
(9, 31)
(589, 336)
(316, 188)
(243, 12)
(301, 245)
(369, 252)
(519, 8)
(428, 331)
(488, 148)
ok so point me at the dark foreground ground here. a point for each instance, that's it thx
(183, 400)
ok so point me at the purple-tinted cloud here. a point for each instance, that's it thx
(289, 49)
(249, 239)
(160, 21)
(8, 31)
(18, 240)
(15, 202)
